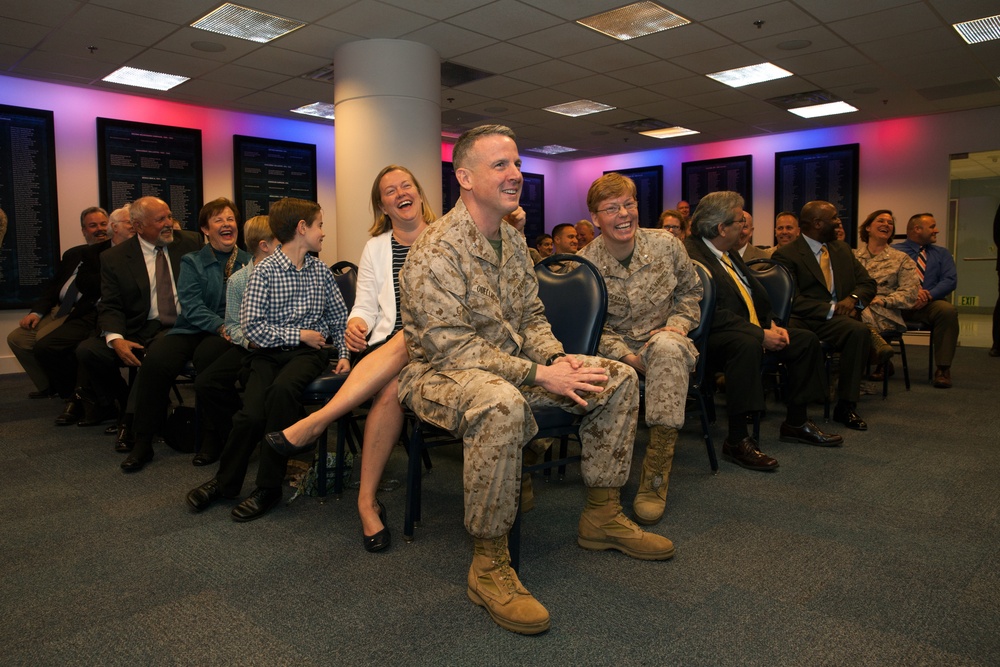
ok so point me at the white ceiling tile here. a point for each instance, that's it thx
(498, 87)
(563, 40)
(314, 40)
(549, 73)
(282, 61)
(504, 19)
(48, 13)
(888, 23)
(654, 72)
(779, 18)
(596, 84)
(449, 40)
(439, 9)
(500, 57)
(181, 40)
(374, 19)
(827, 11)
(246, 77)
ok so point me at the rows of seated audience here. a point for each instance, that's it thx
(447, 323)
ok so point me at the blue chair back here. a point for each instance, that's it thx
(346, 275)
(699, 335)
(575, 300)
(779, 284)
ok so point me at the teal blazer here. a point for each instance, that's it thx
(202, 291)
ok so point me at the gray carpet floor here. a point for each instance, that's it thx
(884, 552)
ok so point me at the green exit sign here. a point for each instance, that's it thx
(968, 300)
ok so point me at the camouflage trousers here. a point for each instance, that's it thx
(669, 358)
(494, 420)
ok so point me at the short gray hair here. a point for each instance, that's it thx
(460, 155)
(714, 209)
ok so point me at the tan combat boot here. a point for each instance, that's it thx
(603, 526)
(652, 495)
(493, 584)
(881, 351)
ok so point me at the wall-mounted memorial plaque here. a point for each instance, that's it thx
(649, 192)
(30, 251)
(265, 170)
(144, 160)
(532, 199)
(828, 174)
(728, 173)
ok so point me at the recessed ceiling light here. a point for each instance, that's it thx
(143, 78)
(980, 30)
(828, 109)
(669, 132)
(244, 23)
(635, 20)
(745, 76)
(318, 109)
(551, 149)
(579, 108)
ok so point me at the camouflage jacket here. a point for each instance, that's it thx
(659, 288)
(463, 308)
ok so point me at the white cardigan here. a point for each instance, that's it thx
(375, 301)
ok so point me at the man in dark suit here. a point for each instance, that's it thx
(60, 304)
(56, 352)
(744, 330)
(138, 304)
(832, 289)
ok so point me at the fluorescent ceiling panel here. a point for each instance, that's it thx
(551, 149)
(579, 108)
(635, 20)
(318, 109)
(980, 30)
(751, 74)
(828, 109)
(243, 23)
(669, 132)
(144, 78)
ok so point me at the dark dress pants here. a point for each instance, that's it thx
(271, 402)
(852, 339)
(56, 352)
(218, 399)
(160, 368)
(99, 368)
(740, 356)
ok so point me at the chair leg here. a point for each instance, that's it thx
(514, 541)
(902, 358)
(413, 483)
(707, 433)
(321, 472)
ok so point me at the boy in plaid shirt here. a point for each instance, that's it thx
(291, 308)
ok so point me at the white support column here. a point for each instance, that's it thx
(387, 95)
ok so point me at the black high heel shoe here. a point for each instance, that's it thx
(380, 540)
(280, 444)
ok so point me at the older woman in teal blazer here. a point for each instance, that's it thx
(199, 334)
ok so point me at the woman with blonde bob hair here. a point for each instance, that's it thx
(374, 330)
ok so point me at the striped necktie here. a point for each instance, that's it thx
(744, 292)
(921, 264)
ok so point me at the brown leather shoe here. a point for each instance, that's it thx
(942, 378)
(745, 453)
(810, 434)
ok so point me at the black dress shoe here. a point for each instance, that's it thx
(204, 458)
(71, 413)
(745, 453)
(257, 504)
(44, 393)
(380, 540)
(810, 434)
(137, 460)
(280, 444)
(848, 417)
(200, 498)
(95, 414)
(125, 440)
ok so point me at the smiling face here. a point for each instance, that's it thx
(786, 229)
(491, 180)
(312, 232)
(400, 199)
(222, 229)
(824, 224)
(95, 227)
(925, 231)
(156, 223)
(545, 247)
(565, 241)
(883, 227)
(617, 218)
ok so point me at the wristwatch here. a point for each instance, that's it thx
(857, 302)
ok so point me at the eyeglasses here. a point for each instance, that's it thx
(741, 221)
(615, 209)
(672, 228)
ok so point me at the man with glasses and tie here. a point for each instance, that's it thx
(743, 331)
(832, 287)
(653, 301)
(938, 278)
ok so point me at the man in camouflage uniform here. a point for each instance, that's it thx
(653, 301)
(482, 355)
